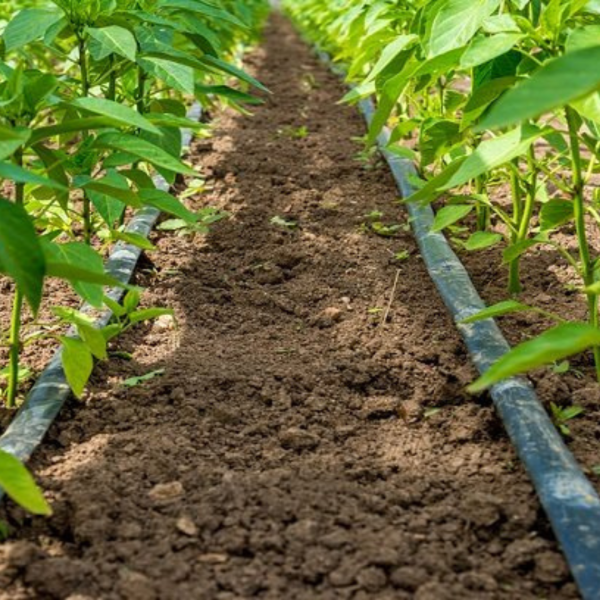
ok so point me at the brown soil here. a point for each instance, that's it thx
(291, 449)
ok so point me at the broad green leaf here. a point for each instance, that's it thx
(143, 150)
(448, 215)
(120, 113)
(21, 175)
(165, 202)
(94, 339)
(29, 25)
(553, 345)
(430, 190)
(85, 327)
(80, 256)
(483, 49)
(555, 212)
(389, 53)
(78, 364)
(19, 485)
(12, 139)
(113, 40)
(110, 195)
(481, 240)
(456, 22)
(560, 81)
(21, 255)
(177, 76)
(494, 153)
(497, 310)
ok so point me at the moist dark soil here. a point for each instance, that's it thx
(310, 437)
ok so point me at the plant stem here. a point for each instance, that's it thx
(141, 91)
(14, 342)
(483, 213)
(112, 81)
(587, 265)
(85, 89)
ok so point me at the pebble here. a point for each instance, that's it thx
(187, 526)
(166, 492)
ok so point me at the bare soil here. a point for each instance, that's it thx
(297, 446)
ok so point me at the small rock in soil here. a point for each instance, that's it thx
(298, 439)
(166, 492)
(187, 526)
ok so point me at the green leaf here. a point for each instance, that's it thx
(177, 76)
(456, 22)
(220, 65)
(135, 239)
(389, 53)
(19, 485)
(78, 364)
(12, 139)
(135, 381)
(21, 255)
(149, 314)
(81, 266)
(448, 215)
(143, 150)
(120, 113)
(553, 345)
(95, 340)
(497, 310)
(167, 203)
(481, 240)
(494, 153)
(113, 40)
(28, 26)
(559, 82)
(21, 175)
(85, 327)
(555, 212)
(483, 49)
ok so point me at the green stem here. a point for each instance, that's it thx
(85, 90)
(14, 342)
(483, 211)
(112, 81)
(141, 91)
(587, 265)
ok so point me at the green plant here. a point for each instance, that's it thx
(562, 415)
(93, 96)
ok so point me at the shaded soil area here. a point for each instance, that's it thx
(310, 437)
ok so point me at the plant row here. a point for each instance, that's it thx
(497, 102)
(93, 97)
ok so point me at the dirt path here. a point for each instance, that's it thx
(289, 450)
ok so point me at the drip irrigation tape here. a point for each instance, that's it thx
(51, 390)
(568, 497)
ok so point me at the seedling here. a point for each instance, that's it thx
(294, 133)
(561, 416)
